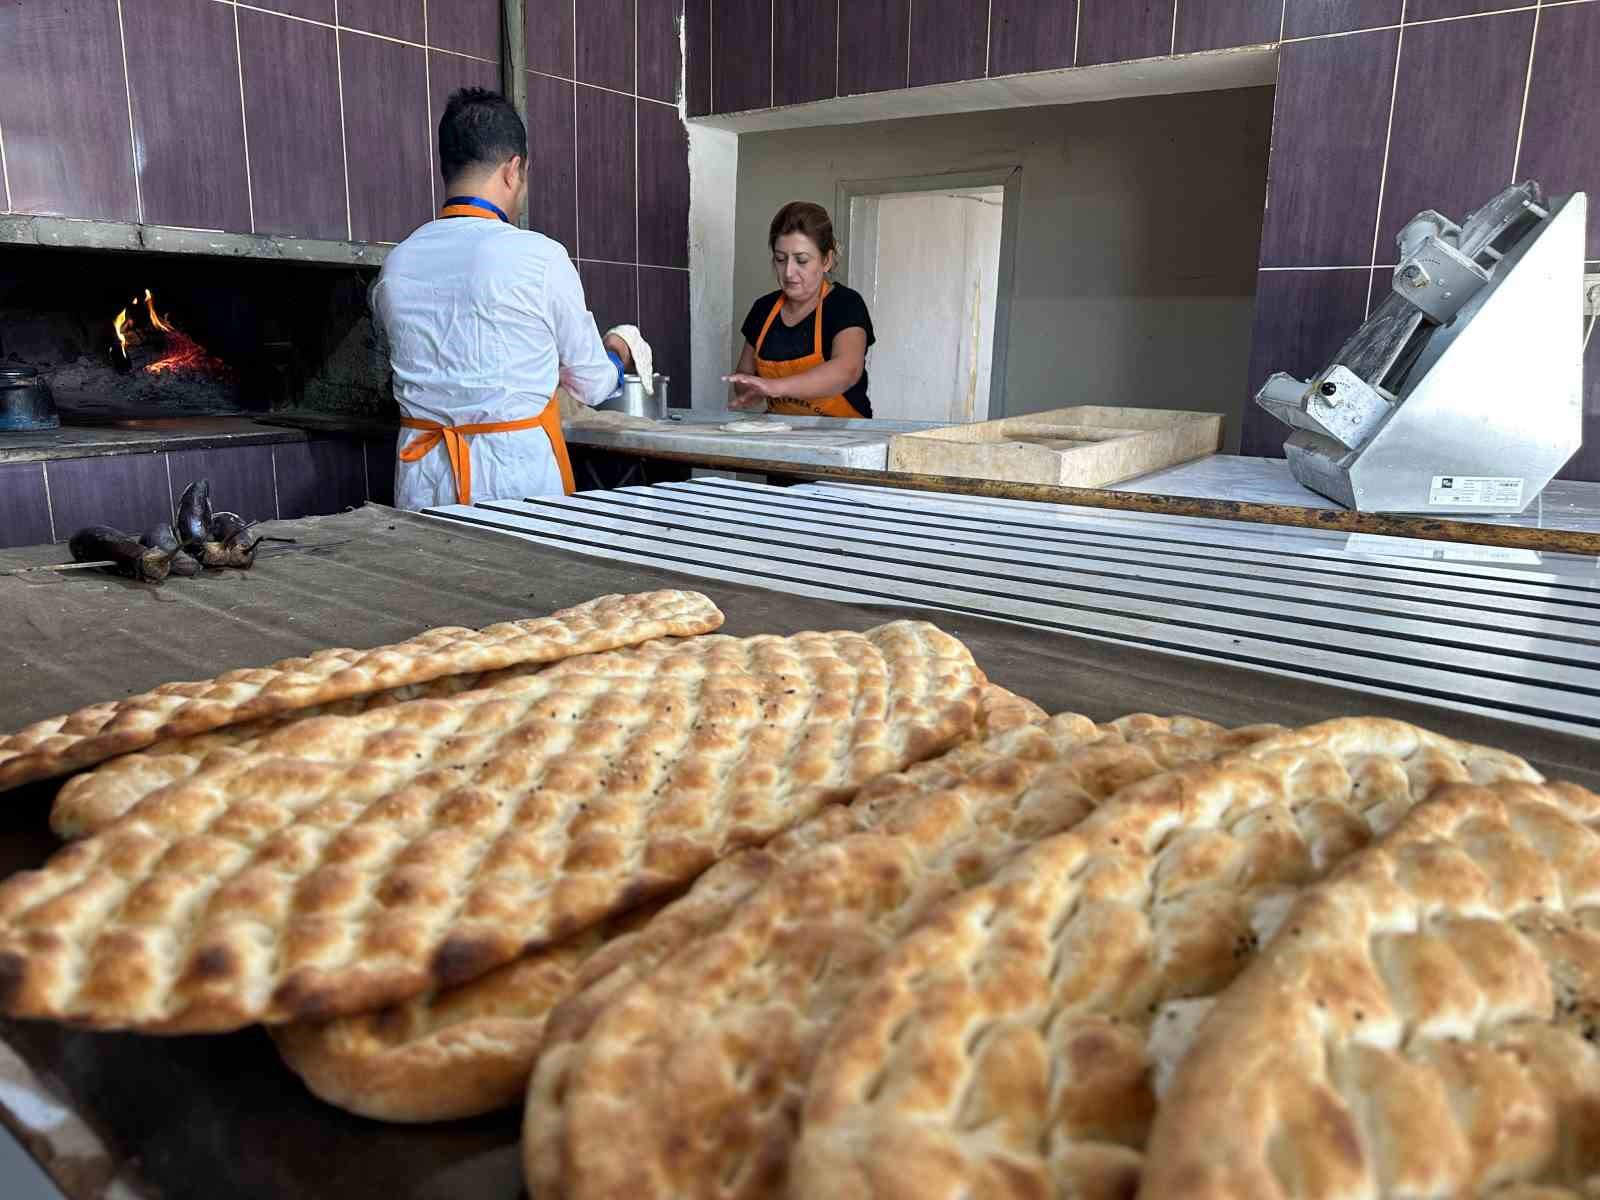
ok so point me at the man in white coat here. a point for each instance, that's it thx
(484, 320)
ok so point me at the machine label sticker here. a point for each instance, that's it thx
(1475, 490)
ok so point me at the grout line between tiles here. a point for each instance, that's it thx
(133, 138)
(611, 262)
(1403, 24)
(344, 136)
(366, 471)
(244, 121)
(838, 43)
(772, 53)
(577, 191)
(911, 9)
(434, 187)
(1352, 267)
(599, 87)
(1388, 135)
(5, 175)
(1527, 90)
(172, 501)
(1077, 32)
(49, 502)
(277, 505)
(638, 188)
(1283, 20)
(1174, 48)
(988, 40)
(711, 54)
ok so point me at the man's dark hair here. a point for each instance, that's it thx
(479, 128)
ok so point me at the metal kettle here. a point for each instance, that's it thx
(26, 403)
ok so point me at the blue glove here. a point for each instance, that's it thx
(617, 359)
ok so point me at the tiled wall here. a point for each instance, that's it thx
(1384, 107)
(317, 117)
(48, 501)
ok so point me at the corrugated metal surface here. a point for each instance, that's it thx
(1519, 637)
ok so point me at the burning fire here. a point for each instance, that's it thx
(180, 351)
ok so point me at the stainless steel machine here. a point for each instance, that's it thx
(1463, 391)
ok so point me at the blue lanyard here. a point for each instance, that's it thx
(478, 202)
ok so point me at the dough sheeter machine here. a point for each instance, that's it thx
(1463, 390)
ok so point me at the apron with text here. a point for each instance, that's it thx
(830, 406)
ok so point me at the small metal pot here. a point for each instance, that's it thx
(635, 403)
(25, 401)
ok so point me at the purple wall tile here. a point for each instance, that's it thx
(741, 55)
(393, 18)
(241, 478)
(1332, 112)
(1119, 30)
(127, 491)
(1428, 10)
(552, 187)
(1026, 35)
(697, 51)
(183, 66)
(1302, 318)
(605, 43)
(805, 43)
(660, 60)
(1215, 24)
(873, 48)
(612, 293)
(549, 30)
(664, 317)
(466, 26)
(314, 10)
(381, 455)
(1560, 145)
(24, 511)
(446, 73)
(322, 476)
(607, 198)
(1306, 18)
(291, 94)
(387, 137)
(663, 186)
(1456, 114)
(1585, 464)
(949, 40)
(64, 105)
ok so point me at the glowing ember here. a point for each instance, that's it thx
(180, 351)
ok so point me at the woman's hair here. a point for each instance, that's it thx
(801, 216)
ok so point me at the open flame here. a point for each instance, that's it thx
(180, 351)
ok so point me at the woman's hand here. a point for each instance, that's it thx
(752, 387)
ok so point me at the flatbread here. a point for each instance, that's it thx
(724, 1037)
(755, 426)
(463, 1051)
(62, 744)
(1017, 1042)
(1424, 1024)
(348, 863)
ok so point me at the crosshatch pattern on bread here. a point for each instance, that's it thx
(723, 1034)
(76, 740)
(347, 863)
(1020, 1038)
(726, 1034)
(1424, 1024)
(458, 1052)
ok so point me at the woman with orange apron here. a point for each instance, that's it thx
(805, 351)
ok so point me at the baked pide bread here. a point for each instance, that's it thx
(725, 1036)
(1016, 1043)
(720, 1038)
(73, 741)
(459, 1052)
(344, 864)
(1423, 1024)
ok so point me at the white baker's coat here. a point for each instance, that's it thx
(483, 320)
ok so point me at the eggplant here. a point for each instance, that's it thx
(130, 556)
(224, 525)
(194, 514)
(161, 537)
(185, 564)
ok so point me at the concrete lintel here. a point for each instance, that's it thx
(1207, 71)
(71, 233)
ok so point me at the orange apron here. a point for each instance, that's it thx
(455, 437)
(831, 406)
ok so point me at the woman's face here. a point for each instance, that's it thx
(799, 267)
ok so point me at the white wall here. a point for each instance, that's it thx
(1137, 249)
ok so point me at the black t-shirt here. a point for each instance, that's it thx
(843, 308)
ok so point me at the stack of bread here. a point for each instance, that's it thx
(830, 915)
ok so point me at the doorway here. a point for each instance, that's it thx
(931, 257)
